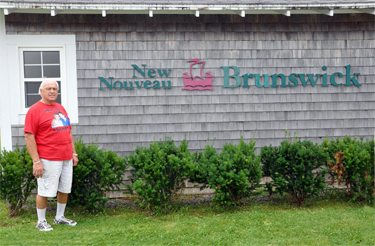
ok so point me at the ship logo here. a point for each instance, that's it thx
(197, 82)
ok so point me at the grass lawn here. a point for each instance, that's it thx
(319, 222)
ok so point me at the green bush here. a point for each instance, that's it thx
(98, 171)
(295, 168)
(16, 178)
(358, 160)
(159, 171)
(234, 174)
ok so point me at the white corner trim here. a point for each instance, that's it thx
(5, 97)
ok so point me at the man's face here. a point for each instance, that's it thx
(49, 92)
(62, 116)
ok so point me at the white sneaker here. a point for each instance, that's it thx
(64, 221)
(44, 226)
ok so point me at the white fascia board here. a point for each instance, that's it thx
(82, 8)
(189, 12)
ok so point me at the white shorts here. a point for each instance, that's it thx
(57, 176)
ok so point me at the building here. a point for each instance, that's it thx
(134, 71)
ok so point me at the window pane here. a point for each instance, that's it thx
(31, 93)
(33, 72)
(31, 99)
(58, 100)
(32, 87)
(51, 71)
(32, 57)
(59, 86)
(51, 57)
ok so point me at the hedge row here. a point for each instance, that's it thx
(296, 167)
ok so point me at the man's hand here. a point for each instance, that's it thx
(75, 157)
(31, 147)
(38, 170)
(75, 160)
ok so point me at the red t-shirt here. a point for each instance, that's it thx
(51, 126)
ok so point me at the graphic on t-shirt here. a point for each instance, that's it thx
(59, 120)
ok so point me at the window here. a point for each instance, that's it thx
(37, 66)
(32, 59)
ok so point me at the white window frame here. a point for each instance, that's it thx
(62, 77)
(16, 44)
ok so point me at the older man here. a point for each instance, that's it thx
(52, 150)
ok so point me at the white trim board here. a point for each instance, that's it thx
(5, 97)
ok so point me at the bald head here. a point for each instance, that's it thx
(45, 82)
(49, 90)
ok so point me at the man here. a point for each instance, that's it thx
(53, 153)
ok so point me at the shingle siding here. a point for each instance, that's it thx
(266, 44)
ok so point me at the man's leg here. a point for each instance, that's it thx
(62, 199)
(65, 185)
(41, 204)
(47, 187)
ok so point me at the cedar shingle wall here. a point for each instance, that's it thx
(120, 120)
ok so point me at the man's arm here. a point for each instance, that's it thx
(75, 158)
(33, 151)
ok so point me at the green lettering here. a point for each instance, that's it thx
(324, 79)
(164, 72)
(351, 79)
(151, 73)
(105, 82)
(118, 82)
(130, 85)
(169, 85)
(135, 67)
(147, 83)
(227, 76)
(292, 79)
(257, 80)
(156, 84)
(138, 85)
(310, 78)
(245, 78)
(274, 80)
(332, 78)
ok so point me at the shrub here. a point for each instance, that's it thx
(97, 172)
(295, 168)
(16, 178)
(338, 169)
(234, 174)
(202, 162)
(159, 171)
(358, 162)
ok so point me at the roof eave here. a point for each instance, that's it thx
(241, 9)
